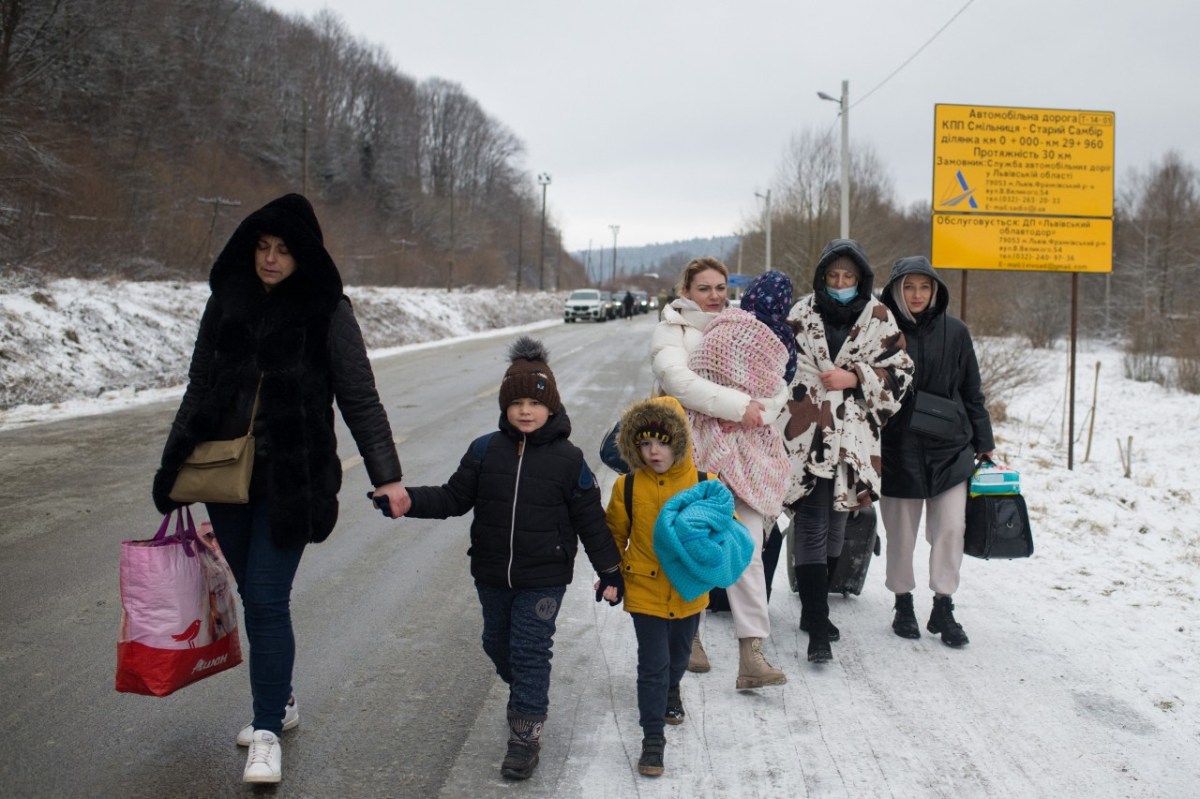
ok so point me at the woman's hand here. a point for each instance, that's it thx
(397, 495)
(839, 379)
(752, 418)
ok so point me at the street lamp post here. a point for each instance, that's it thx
(543, 180)
(520, 245)
(767, 197)
(844, 103)
(614, 229)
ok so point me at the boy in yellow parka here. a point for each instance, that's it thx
(654, 440)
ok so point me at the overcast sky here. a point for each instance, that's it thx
(666, 117)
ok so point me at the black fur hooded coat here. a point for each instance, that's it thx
(302, 339)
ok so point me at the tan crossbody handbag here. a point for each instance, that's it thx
(219, 471)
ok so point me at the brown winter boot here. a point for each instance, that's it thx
(753, 669)
(698, 662)
(524, 742)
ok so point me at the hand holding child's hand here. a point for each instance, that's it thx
(610, 586)
(392, 500)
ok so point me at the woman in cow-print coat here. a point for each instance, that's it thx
(851, 374)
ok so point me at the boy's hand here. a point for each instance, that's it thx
(610, 586)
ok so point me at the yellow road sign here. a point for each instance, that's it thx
(998, 170)
(1023, 243)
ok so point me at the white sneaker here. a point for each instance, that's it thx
(265, 763)
(291, 720)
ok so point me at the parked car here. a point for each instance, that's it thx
(610, 305)
(585, 304)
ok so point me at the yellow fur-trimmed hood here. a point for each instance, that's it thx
(662, 412)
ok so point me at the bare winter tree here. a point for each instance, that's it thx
(807, 213)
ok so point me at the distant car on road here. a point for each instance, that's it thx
(641, 302)
(611, 304)
(585, 304)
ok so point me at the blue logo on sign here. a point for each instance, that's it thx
(960, 193)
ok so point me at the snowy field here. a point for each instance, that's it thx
(1081, 678)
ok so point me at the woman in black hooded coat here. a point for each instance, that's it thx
(921, 472)
(277, 326)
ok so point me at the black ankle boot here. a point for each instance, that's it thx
(831, 566)
(675, 713)
(524, 742)
(650, 764)
(814, 609)
(942, 621)
(904, 624)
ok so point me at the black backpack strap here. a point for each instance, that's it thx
(629, 500)
(479, 446)
(701, 476)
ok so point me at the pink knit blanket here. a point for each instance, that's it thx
(738, 351)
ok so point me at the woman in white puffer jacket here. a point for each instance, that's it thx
(702, 294)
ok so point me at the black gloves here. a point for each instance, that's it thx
(611, 578)
(163, 483)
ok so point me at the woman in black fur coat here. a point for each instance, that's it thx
(278, 326)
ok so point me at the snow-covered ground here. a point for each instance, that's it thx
(1081, 679)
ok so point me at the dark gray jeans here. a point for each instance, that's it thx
(518, 634)
(820, 530)
(664, 646)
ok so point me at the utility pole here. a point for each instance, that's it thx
(615, 229)
(304, 148)
(543, 180)
(767, 197)
(844, 104)
(520, 245)
(450, 272)
(217, 203)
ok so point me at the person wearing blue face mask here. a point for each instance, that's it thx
(852, 372)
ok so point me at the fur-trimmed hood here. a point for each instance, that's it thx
(662, 412)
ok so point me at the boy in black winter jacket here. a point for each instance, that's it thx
(534, 499)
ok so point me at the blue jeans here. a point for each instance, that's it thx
(664, 646)
(264, 574)
(518, 634)
(820, 530)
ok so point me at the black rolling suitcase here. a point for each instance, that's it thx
(861, 542)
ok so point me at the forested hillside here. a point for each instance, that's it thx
(134, 135)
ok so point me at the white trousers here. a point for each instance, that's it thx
(944, 526)
(748, 596)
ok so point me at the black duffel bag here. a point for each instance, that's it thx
(997, 527)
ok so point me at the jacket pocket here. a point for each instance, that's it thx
(540, 546)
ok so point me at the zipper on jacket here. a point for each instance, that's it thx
(512, 524)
